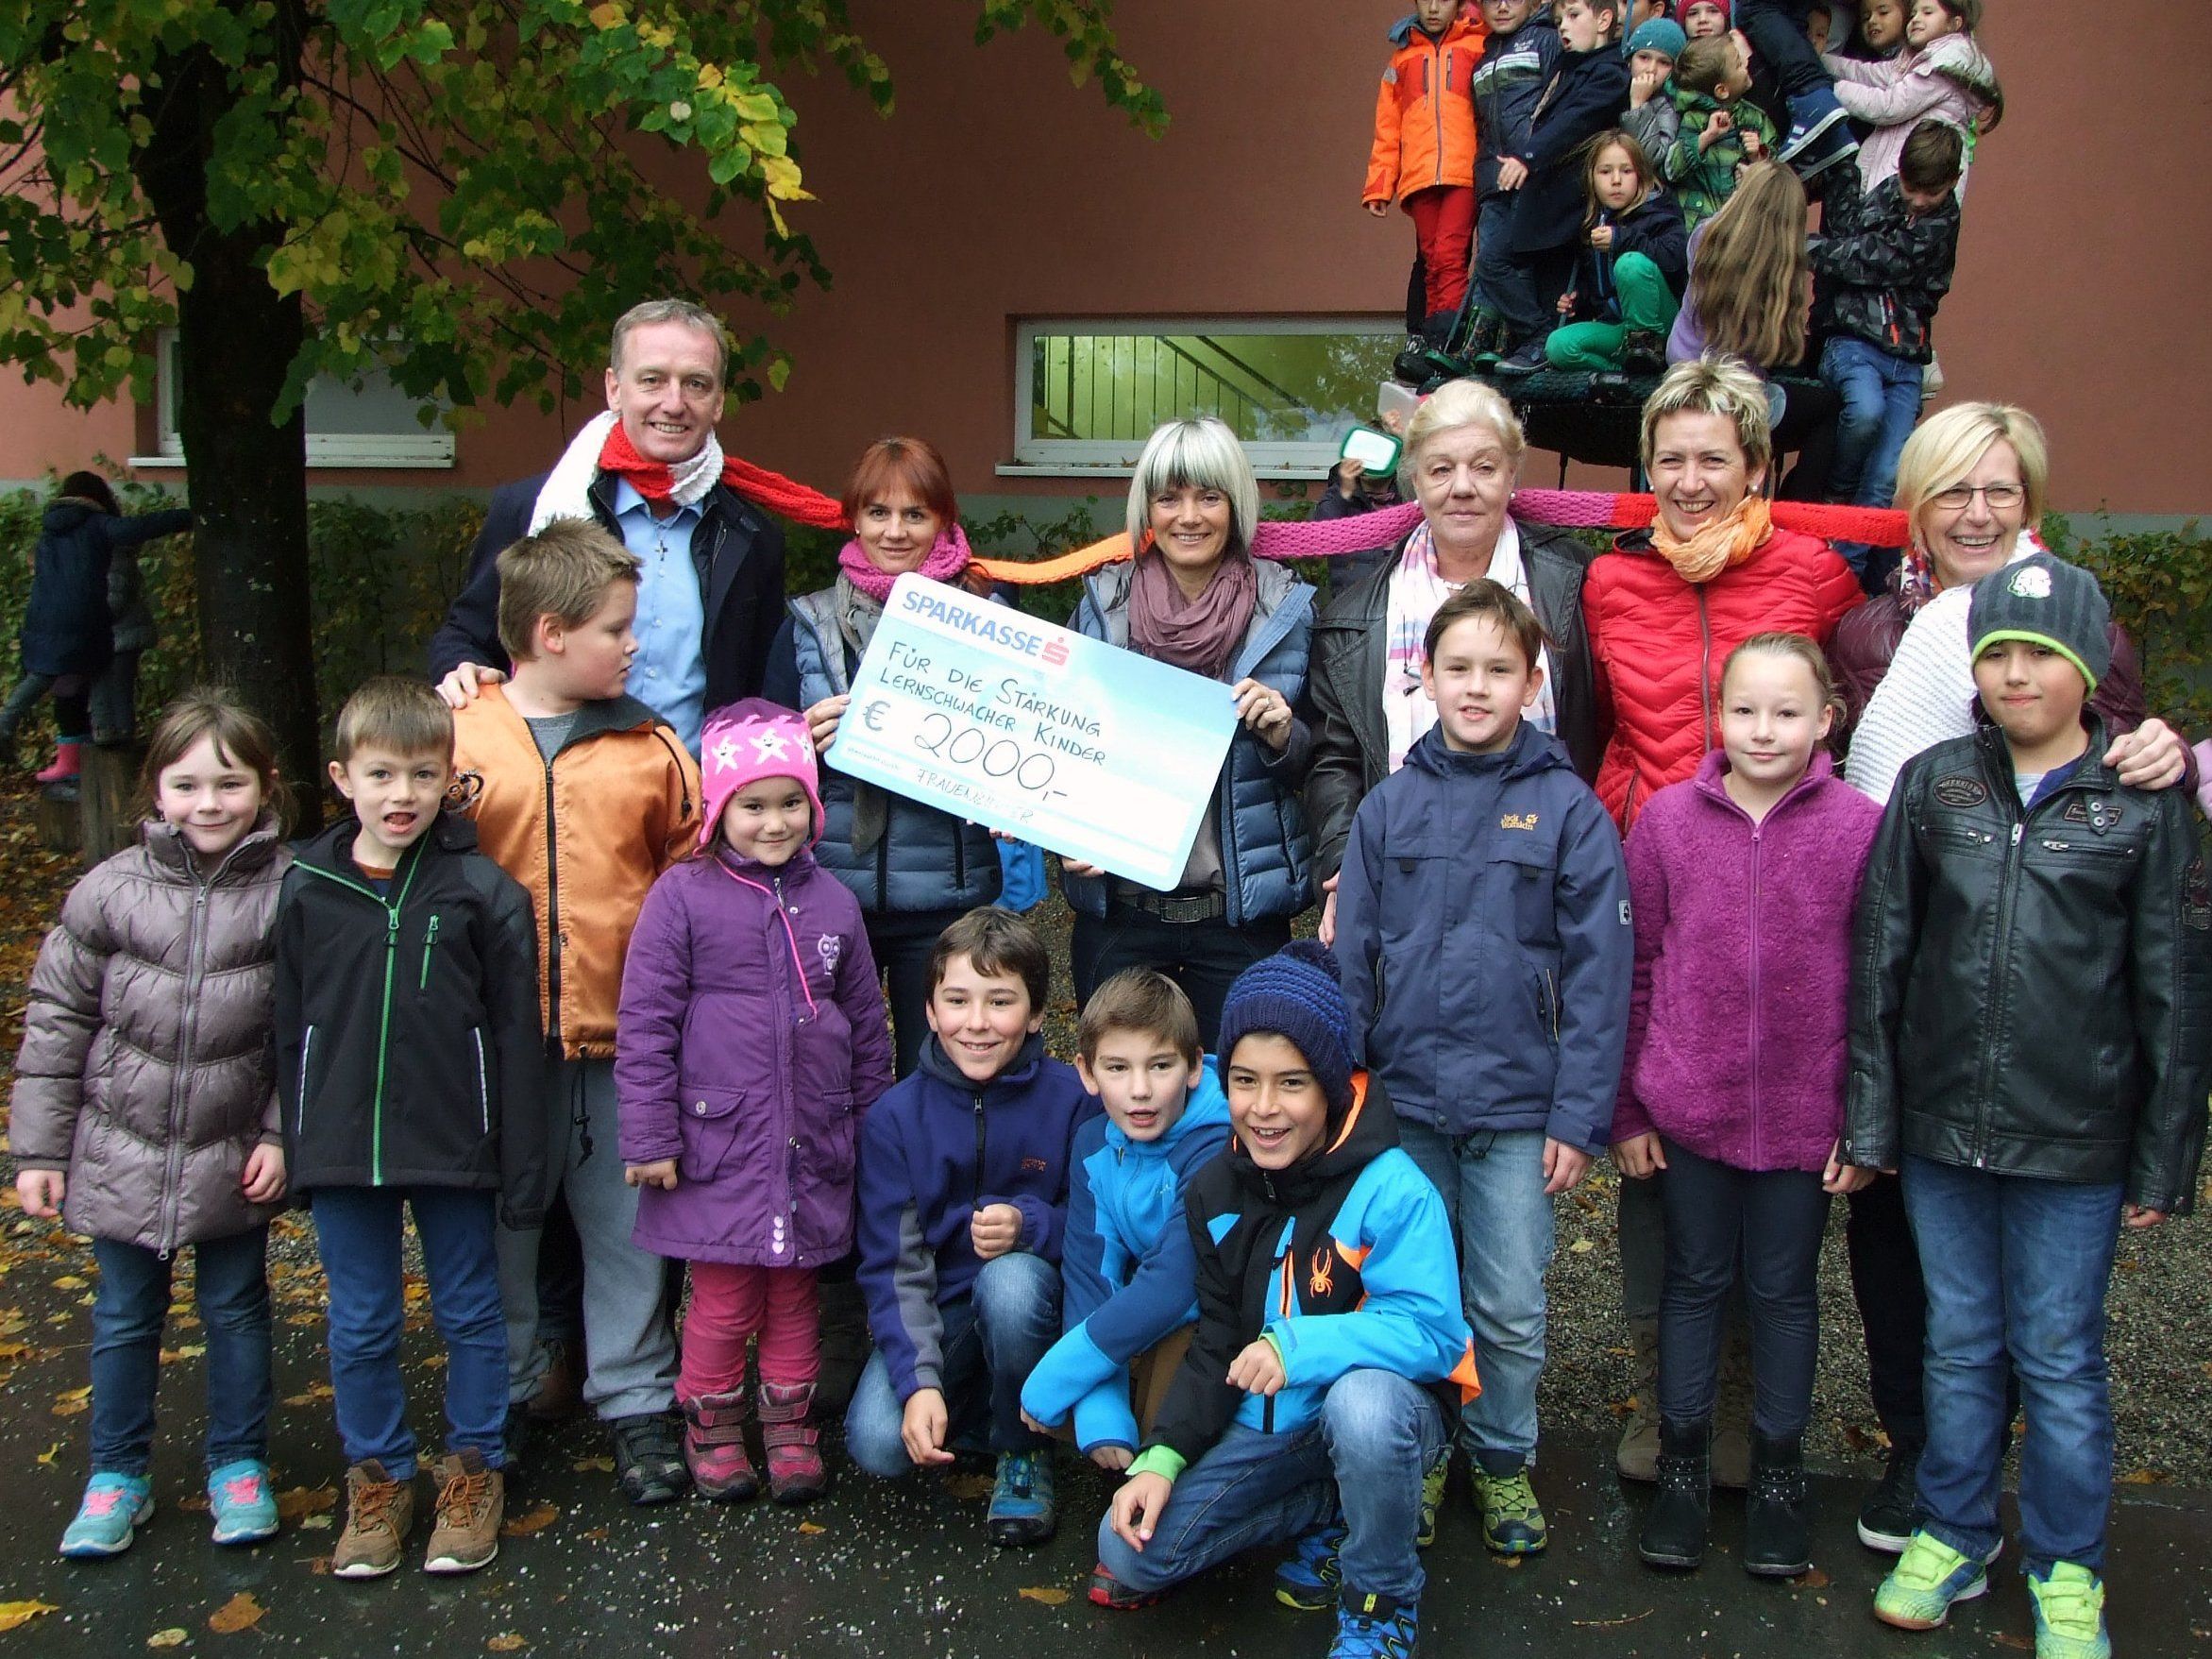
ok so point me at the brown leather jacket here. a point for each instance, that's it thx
(586, 834)
(146, 1072)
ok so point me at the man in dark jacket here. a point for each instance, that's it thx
(2030, 1018)
(711, 594)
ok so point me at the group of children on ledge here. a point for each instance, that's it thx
(1562, 159)
(1275, 1288)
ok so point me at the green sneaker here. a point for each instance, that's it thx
(1927, 1578)
(1432, 1485)
(1512, 1522)
(2069, 1613)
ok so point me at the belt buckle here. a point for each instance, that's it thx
(1187, 909)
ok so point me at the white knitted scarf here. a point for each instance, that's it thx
(567, 493)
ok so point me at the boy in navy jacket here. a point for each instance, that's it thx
(963, 1187)
(1482, 923)
(1516, 64)
(1128, 1281)
(1314, 1393)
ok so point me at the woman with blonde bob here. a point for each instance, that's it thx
(1193, 597)
(1971, 483)
(1461, 461)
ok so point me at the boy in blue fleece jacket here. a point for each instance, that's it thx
(963, 1187)
(1482, 922)
(1328, 1351)
(1128, 1281)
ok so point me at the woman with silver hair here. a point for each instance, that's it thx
(1192, 596)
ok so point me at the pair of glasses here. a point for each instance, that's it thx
(1999, 498)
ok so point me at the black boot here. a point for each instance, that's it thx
(1777, 1543)
(1680, 1515)
(1642, 352)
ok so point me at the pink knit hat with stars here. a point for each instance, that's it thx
(746, 742)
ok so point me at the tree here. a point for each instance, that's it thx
(453, 190)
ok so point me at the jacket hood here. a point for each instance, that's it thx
(1367, 1131)
(1015, 1078)
(66, 513)
(1208, 1108)
(1530, 751)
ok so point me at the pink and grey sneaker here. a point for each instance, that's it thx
(714, 1445)
(242, 1503)
(796, 1472)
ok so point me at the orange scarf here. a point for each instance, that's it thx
(1716, 547)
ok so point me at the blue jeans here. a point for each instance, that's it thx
(2016, 1265)
(231, 1289)
(358, 1235)
(1881, 395)
(1493, 1188)
(992, 1340)
(1364, 1458)
(1493, 217)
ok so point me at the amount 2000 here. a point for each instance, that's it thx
(998, 758)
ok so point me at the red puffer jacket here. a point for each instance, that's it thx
(1659, 643)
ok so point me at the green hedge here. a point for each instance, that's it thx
(381, 578)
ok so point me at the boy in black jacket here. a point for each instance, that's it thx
(1586, 94)
(1311, 1404)
(1880, 267)
(2030, 1020)
(408, 1048)
(1516, 65)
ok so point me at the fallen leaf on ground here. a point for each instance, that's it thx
(2141, 1478)
(1581, 1247)
(812, 1528)
(302, 1501)
(506, 1642)
(2005, 1638)
(71, 1401)
(175, 1637)
(968, 1487)
(315, 1391)
(173, 1356)
(70, 1281)
(51, 1452)
(1811, 1580)
(19, 1613)
(242, 1611)
(536, 1518)
(590, 1466)
(1049, 1595)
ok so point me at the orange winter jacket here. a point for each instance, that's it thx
(587, 836)
(1424, 114)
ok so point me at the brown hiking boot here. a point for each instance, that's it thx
(378, 1512)
(472, 1502)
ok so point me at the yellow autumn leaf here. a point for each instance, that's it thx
(71, 1401)
(21, 1613)
(242, 1611)
(1049, 1595)
(812, 1529)
(175, 1637)
(506, 1642)
(536, 1518)
(51, 1452)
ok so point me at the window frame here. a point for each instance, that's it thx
(1042, 457)
(420, 448)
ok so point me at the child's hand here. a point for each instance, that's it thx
(1566, 305)
(2135, 1216)
(1754, 146)
(264, 1178)
(1349, 472)
(1258, 1369)
(1137, 1506)
(1840, 1178)
(1643, 83)
(1716, 127)
(1511, 173)
(994, 1229)
(661, 1173)
(1326, 932)
(1379, 210)
(1639, 1157)
(41, 1191)
(821, 720)
(1265, 712)
(1112, 1458)
(922, 1425)
(1564, 1165)
(1076, 867)
(1033, 1427)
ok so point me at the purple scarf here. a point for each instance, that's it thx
(1200, 634)
(946, 560)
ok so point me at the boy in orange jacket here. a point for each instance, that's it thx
(1424, 154)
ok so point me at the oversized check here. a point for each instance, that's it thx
(1094, 751)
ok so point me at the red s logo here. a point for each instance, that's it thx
(1055, 652)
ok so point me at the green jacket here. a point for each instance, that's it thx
(1702, 181)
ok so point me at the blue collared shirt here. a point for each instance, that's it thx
(668, 675)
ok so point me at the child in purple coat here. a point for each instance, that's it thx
(1742, 881)
(753, 1038)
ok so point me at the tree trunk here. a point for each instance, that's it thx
(237, 340)
(108, 799)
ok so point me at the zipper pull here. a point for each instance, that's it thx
(2017, 830)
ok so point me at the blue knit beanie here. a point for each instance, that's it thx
(1658, 34)
(1294, 993)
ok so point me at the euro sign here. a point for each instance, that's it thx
(872, 716)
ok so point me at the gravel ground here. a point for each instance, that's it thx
(2161, 1306)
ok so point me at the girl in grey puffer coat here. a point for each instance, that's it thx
(144, 1109)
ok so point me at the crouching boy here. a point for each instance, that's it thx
(1330, 1348)
(1128, 1276)
(963, 1183)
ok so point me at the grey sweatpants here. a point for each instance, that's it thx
(629, 1351)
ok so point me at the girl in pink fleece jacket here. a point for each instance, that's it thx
(1742, 881)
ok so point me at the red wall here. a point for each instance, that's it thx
(999, 190)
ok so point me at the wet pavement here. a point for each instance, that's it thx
(882, 1571)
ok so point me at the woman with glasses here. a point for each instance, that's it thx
(1970, 481)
